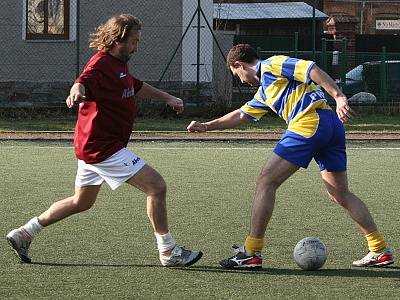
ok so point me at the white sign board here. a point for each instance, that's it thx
(388, 24)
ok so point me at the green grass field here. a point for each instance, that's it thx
(109, 252)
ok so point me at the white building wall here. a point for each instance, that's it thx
(189, 44)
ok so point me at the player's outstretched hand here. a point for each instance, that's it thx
(74, 98)
(176, 104)
(195, 126)
(343, 110)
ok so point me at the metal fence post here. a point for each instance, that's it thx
(176, 49)
(314, 24)
(383, 74)
(343, 61)
(324, 55)
(77, 69)
(198, 54)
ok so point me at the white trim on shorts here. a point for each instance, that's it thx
(115, 170)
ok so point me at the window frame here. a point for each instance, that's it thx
(48, 36)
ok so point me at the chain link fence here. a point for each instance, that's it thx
(349, 48)
(45, 46)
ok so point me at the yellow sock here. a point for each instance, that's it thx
(253, 245)
(375, 240)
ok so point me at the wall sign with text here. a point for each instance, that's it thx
(388, 24)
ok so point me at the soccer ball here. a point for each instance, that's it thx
(310, 253)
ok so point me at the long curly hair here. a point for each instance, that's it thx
(116, 29)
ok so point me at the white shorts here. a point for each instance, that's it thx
(115, 170)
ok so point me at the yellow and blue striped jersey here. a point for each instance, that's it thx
(286, 89)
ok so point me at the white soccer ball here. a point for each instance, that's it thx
(310, 253)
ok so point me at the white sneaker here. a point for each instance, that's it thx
(373, 259)
(20, 241)
(180, 257)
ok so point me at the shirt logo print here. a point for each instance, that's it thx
(134, 162)
(129, 92)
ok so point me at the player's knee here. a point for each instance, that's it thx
(80, 204)
(158, 187)
(265, 181)
(338, 197)
(331, 196)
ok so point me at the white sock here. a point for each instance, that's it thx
(165, 242)
(33, 226)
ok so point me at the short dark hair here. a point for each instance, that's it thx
(241, 52)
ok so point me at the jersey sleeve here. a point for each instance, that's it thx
(91, 78)
(137, 84)
(289, 68)
(256, 108)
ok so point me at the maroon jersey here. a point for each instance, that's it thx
(105, 119)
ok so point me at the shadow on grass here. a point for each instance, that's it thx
(387, 272)
(89, 265)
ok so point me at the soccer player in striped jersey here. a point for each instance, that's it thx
(291, 88)
(106, 92)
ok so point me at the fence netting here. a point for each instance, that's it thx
(182, 49)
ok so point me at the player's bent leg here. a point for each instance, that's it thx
(337, 186)
(273, 174)
(153, 184)
(82, 200)
(20, 239)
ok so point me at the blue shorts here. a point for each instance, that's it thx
(327, 146)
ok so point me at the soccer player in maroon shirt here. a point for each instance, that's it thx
(105, 93)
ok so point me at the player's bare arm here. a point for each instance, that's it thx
(230, 120)
(76, 94)
(321, 78)
(149, 92)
